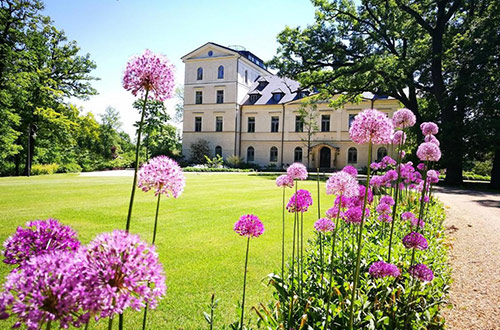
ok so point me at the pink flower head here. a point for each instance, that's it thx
(359, 200)
(249, 225)
(324, 225)
(300, 201)
(432, 176)
(371, 125)
(415, 240)
(380, 269)
(351, 170)
(388, 161)
(414, 221)
(375, 166)
(407, 216)
(149, 72)
(399, 138)
(383, 208)
(163, 175)
(39, 237)
(421, 272)
(342, 183)
(421, 166)
(404, 118)
(391, 175)
(297, 171)
(376, 181)
(331, 213)
(428, 151)
(48, 287)
(429, 128)
(386, 199)
(284, 181)
(122, 271)
(432, 139)
(354, 214)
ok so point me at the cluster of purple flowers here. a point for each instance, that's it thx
(421, 272)
(373, 126)
(300, 201)
(163, 175)
(380, 269)
(415, 240)
(297, 171)
(383, 164)
(324, 225)
(404, 118)
(342, 184)
(284, 180)
(249, 225)
(67, 283)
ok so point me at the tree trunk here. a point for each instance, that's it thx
(495, 171)
(452, 143)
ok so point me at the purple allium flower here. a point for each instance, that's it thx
(359, 200)
(297, 171)
(48, 287)
(404, 118)
(428, 151)
(432, 176)
(386, 199)
(351, 170)
(376, 181)
(414, 221)
(398, 138)
(354, 214)
(388, 161)
(415, 240)
(385, 217)
(331, 213)
(421, 272)
(421, 166)
(371, 125)
(429, 128)
(383, 208)
(284, 181)
(407, 216)
(324, 225)
(391, 175)
(432, 139)
(122, 271)
(380, 269)
(300, 201)
(342, 183)
(345, 202)
(152, 72)
(163, 175)
(249, 225)
(39, 237)
(375, 166)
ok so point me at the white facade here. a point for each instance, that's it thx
(225, 123)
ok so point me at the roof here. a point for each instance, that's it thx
(275, 85)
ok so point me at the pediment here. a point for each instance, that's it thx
(209, 50)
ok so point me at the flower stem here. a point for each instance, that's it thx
(120, 321)
(396, 196)
(317, 181)
(358, 257)
(321, 261)
(283, 240)
(244, 285)
(156, 219)
(301, 253)
(110, 323)
(48, 324)
(137, 148)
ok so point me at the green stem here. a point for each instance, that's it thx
(283, 240)
(293, 268)
(48, 324)
(321, 261)
(120, 321)
(156, 219)
(244, 285)
(301, 253)
(87, 325)
(317, 180)
(395, 208)
(137, 148)
(331, 265)
(358, 257)
(110, 323)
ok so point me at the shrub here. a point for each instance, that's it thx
(208, 169)
(215, 162)
(42, 169)
(234, 161)
(69, 168)
(199, 150)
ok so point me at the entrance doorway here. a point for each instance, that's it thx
(325, 157)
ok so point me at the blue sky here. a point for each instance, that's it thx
(112, 31)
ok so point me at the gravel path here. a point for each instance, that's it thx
(473, 227)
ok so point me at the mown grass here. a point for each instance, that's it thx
(197, 246)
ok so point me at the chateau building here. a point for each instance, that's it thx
(238, 106)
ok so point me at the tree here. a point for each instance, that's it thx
(309, 115)
(199, 150)
(396, 48)
(179, 107)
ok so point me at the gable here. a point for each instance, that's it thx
(209, 50)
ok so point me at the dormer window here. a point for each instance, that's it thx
(262, 84)
(277, 97)
(199, 74)
(253, 98)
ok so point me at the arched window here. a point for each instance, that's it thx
(273, 154)
(352, 155)
(297, 155)
(199, 74)
(220, 72)
(250, 154)
(381, 153)
(218, 151)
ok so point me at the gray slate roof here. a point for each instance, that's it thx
(275, 84)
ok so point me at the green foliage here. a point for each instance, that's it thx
(216, 162)
(199, 150)
(234, 161)
(211, 169)
(43, 169)
(69, 168)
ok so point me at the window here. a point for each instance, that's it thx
(218, 151)
(197, 124)
(297, 155)
(325, 123)
(220, 72)
(273, 154)
(352, 155)
(254, 98)
(220, 96)
(277, 97)
(381, 153)
(199, 74)
(351, 119)
(299, 124)
(246, 77)
(250, 154)
(198, 97)
(218, 123)
(275, 124)
(251, 125)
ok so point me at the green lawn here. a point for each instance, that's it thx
(199, 250)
